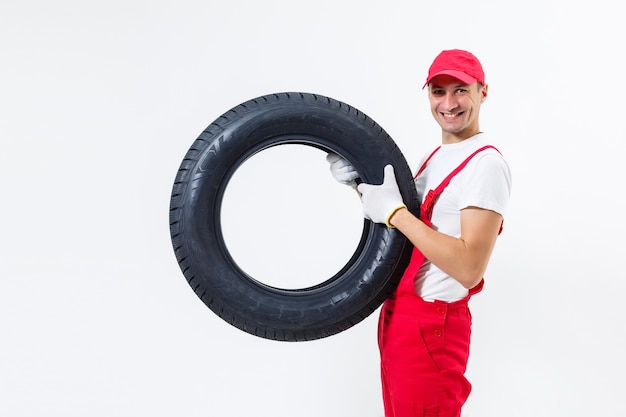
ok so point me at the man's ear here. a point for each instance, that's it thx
(484, 92)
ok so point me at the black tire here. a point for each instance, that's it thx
(310, 313)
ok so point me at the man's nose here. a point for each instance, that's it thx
(450, 102)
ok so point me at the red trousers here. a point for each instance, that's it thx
(424, 348)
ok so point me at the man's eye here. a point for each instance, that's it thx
(461, 91)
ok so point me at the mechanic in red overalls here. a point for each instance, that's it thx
(464, 187)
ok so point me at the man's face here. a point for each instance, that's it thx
(455, 106)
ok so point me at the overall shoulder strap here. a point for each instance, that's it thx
(432, 195)
(458, 169)
(419, 171)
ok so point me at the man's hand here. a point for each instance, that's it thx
(342, 170)
(380, 202)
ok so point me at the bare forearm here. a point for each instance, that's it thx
(464, 261)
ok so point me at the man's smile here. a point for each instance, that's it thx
(451, 115)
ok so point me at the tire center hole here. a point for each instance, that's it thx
(286, 221)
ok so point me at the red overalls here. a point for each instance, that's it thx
(424, 346)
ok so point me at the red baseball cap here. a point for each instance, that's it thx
(459, 64)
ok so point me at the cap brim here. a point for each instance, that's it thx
(459, 75)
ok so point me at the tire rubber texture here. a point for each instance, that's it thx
(354, 292)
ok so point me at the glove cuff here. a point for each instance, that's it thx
(391, 215)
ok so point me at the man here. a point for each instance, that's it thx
(464, 188)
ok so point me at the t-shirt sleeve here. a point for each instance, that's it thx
(487, 184)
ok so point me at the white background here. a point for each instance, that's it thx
(99, 101)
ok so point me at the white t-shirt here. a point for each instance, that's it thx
(485, 182)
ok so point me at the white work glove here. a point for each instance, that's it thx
(380, 202)
(342, 170)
